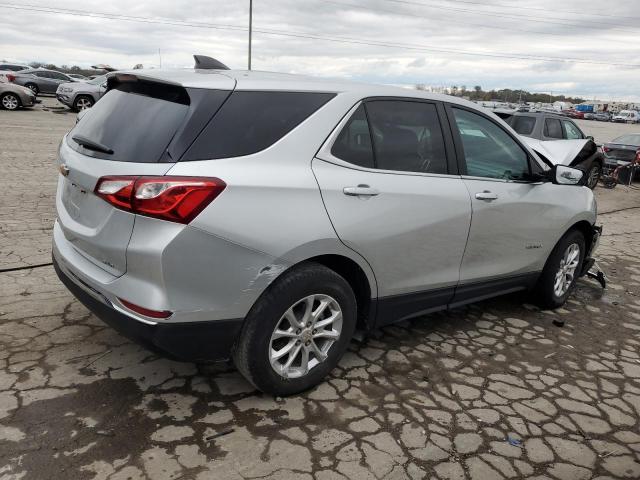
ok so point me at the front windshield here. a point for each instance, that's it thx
(98, 80)
(633, 139)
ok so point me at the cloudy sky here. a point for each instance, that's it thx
(494, 43)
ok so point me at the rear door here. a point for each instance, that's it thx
(131, 131)
(390, 187)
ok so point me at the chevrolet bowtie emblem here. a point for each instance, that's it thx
(64, 170)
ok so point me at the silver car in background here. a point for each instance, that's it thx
(81, 95)
(216, 214)
(14, 96)
(41, 80)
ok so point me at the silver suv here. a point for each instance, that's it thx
(216, 214)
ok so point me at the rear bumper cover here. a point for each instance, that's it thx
(204, 341)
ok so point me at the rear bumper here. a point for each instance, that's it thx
(203, 341)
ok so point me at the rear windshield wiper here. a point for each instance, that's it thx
(91, 145)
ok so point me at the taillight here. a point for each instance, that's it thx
(638, 157)
(176, 199)
(606, 149)
(10, 77)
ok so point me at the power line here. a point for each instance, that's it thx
(345, 40)
(512, 16)
(520, 7)
(480, 25)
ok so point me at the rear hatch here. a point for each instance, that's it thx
(625, 153)
(140, 127)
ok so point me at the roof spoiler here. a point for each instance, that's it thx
(207, 63)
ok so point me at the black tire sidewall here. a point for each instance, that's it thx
(9, 94)
(599, 168)
(33, 87)
(546, 293)
(295, 285)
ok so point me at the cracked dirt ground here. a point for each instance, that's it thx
(490, 391)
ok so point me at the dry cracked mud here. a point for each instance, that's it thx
(490, 391)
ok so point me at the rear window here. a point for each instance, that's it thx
(552, 128)
(523, 124)
(249, 122)
(136, 121)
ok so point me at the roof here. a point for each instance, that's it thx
(258, 80)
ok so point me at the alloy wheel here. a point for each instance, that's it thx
(10, 102)
(567, 270)
(304, 334)
(83, 103)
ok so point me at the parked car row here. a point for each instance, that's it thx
(78, 92)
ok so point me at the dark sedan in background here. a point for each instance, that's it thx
(622, 150)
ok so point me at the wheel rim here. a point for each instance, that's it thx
(567, 270)
(304, 334)
(10, 102)
(33, 88)
(594, 176)
(83, 103)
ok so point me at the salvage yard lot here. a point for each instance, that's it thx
(493, 390)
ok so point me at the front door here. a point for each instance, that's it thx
(387, 185)
(515, 221)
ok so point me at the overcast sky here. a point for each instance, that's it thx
(416, 41)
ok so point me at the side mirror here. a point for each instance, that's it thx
(563, 175)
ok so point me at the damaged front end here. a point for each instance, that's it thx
(590, 267)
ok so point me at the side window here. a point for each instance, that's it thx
(353, 144)
(553, 128)
(251, 121)
(488, 150)
(407, 136)
(522, 124)
(572, 131)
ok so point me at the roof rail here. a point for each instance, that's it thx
(207, 63)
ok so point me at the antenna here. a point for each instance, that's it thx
(207, 63)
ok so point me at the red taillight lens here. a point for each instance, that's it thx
(606, 149)
(145, 311)
(10, 77)
(176, 199)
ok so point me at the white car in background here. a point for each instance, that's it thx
(7, 68)
(626, 116)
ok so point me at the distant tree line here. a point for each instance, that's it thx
(509, 95)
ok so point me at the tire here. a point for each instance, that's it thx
(33, 87)
(290, 294)
(82, 102)
(10, 101)
(593, 175)
(547, 293)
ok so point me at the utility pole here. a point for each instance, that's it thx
(250, 29)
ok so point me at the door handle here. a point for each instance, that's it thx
(361, 191)
(486, 195)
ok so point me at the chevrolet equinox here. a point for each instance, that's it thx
(214, 214)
